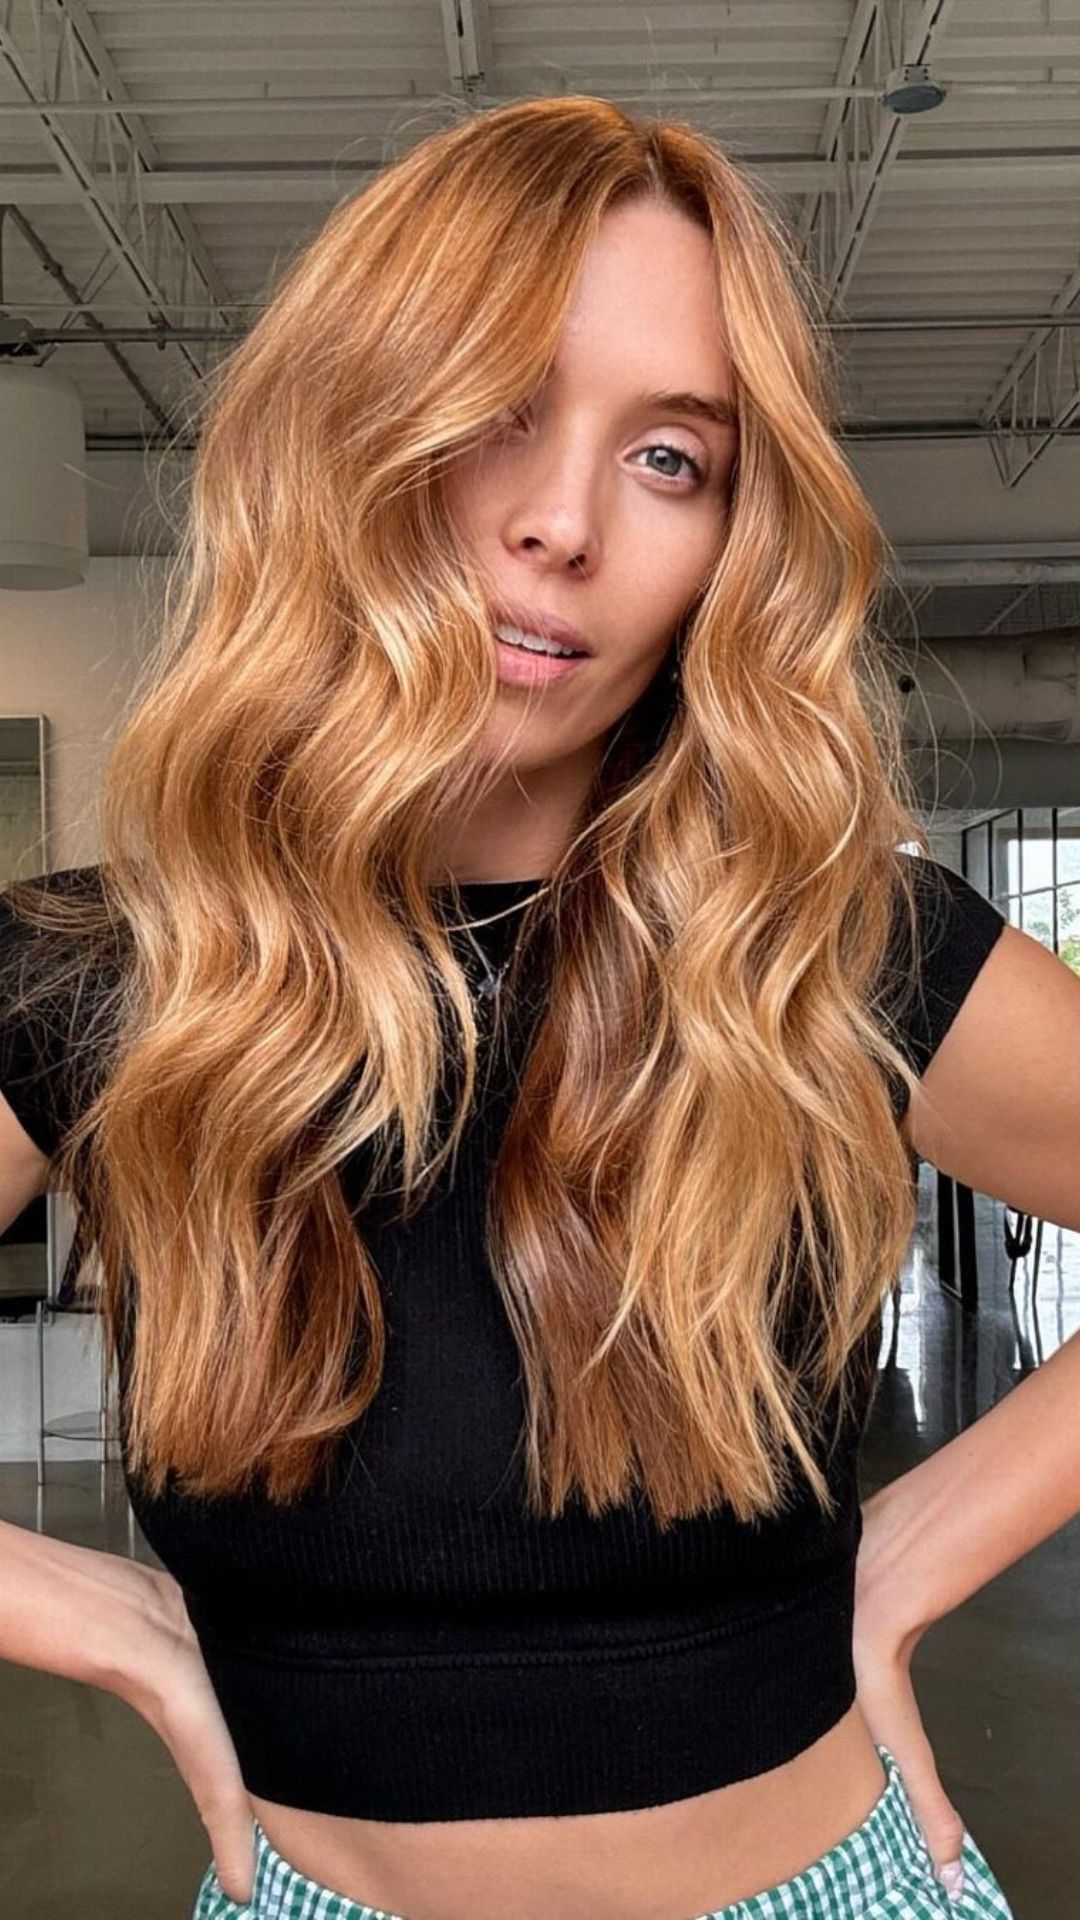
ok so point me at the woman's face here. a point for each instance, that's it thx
(602, 505)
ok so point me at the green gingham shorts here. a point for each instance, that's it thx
(881, 1871)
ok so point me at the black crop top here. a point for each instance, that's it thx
(410, 1645)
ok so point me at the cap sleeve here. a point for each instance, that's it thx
(36, 1076)
(956, 930)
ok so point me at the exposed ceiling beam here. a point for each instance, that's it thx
(831, 143)
(865, 138)
(929, 173)
(992, 563)
(468, 45)
(659, 99)
(1039, 396)
(72, 20)
(164, 262)
(92, 329)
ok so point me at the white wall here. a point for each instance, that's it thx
(71, 655)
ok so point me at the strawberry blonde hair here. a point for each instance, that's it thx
(701, 1196)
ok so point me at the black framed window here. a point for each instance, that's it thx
(1027, 861)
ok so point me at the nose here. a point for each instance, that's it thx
(555, 513)
(561, 555)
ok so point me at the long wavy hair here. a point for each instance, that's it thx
(701, 1196)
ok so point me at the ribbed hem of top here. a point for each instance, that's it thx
(445, 1737)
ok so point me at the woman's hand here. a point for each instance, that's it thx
(883, 1645)
(166, 1682)
(115, 1623)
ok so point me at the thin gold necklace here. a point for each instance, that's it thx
(493, 977)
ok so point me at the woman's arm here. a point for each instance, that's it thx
(122, 1626)
(74, 1611)
(939, 1532)
(998, 1107)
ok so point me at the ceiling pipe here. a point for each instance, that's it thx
(1022, 687)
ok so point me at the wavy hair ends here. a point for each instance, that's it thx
(701, 1195)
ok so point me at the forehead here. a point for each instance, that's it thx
(646, 312)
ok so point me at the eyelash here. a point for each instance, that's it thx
(510, 419)
(660, 446)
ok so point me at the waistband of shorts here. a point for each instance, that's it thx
(877, 1860)
(882, 1858)
(282, 1892)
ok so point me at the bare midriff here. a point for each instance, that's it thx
(668, 1862)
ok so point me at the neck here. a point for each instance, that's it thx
(523, 825)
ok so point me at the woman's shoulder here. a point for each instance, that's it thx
(931, 966)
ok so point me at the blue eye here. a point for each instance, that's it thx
(661, 446)
(510, 418)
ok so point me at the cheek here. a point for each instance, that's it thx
(465, 494)
(658, 595)
(672, 545)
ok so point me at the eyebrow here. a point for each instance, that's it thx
(705, 407)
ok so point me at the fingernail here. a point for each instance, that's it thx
(952, 1876)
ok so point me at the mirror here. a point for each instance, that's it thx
(24, 1246)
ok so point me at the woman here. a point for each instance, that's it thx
(512, 1553)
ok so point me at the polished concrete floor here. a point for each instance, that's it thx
(96, 1823)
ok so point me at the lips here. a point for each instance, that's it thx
(520, 668)
(548, 626)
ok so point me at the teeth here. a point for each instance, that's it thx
(532, 642)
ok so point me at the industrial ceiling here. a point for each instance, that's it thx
(163, 160)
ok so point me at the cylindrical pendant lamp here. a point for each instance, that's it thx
(43, 531)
